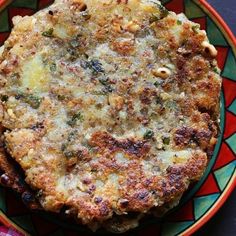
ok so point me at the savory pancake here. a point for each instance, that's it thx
(110, 107)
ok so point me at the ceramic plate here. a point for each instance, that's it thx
(201, 202)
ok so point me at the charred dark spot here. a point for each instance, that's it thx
(64, 209)
(132, 147)
(104, 210)
(124, 203)
(38, 126)
(97, 200)
(92, 188)
(27, 198)
(183, 135)
(83, 7)
(202, 137)
(186, 135)
(5, 180)
(146, 96)
(50, 13)
(18, 96)
(86, 181)
(142, 195)
(147, 182)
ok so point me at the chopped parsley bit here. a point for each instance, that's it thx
(33, 101)
(216, 70)
(75, 118)
(158, 83)
(72, 135)
(94, 65)
(63, 147)
(164, 11)
(4, 98)
(53, 67)
(106, 84)
(100, 93)
(74, 43)
(179, 22)
(48, 33)
(166, 140)
(61, 97)
(154, 18)
(171, 105)
(71, 51)
(195, 28)
(148, 134)
(159, 100)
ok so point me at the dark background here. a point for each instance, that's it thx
(224, 222)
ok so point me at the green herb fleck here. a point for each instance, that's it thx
(148, 134)
(100, 93)
(158, 83)
(72, 135)
(74, 43)
(195, 28)
(216, 70)
(179, 22)
(106, 83)
(75, 118)
(33, 101)
(154, 18)
(4, 98)
(61, 97)
(63, 147)
(53, 67)
(159, 100)
(166, 140)
(164, 12)
(48, 33)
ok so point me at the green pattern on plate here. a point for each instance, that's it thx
(232, 107)
(232, 141)
(230, 67)
(57, 233)
(224, 174)
(25, 222)
(214, 34)
(25, 3)
(192, 10)
(4, 21)
(171, 229)
(202, 204)
(3, 201)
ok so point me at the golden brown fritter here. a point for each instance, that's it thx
(110, 106)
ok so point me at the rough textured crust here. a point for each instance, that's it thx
(11, 178)
(119, 113)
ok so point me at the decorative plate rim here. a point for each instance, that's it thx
(224, 28)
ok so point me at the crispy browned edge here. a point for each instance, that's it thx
(13, 179)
